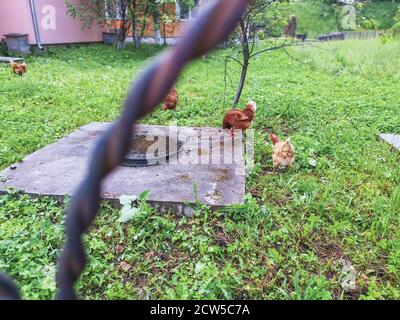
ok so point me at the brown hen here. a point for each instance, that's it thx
(240, 119)
(18, 68)
(171, 101)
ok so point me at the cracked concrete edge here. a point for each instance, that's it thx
(182, 209)
(392, 139)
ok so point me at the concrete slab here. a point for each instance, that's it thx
(392, 139)
(57, 169)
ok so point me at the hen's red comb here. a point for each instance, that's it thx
(274, 138)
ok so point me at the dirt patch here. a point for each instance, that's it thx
(328, 250)
(256, 193)
(337, 293)
(377, 268)
(284, 129)
(347, 283)
(222, 239)
(267, 130)
(268, 170)
(281, 201)
(271, 275)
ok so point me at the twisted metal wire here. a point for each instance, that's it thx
(200, 37)
(8, 290)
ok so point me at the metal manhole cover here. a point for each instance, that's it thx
(150, 151)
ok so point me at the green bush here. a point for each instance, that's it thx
(3, 48)
(382, 14)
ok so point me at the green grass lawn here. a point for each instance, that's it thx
(340, 201)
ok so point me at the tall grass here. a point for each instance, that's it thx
(312, 19)
(369, 58)
(315, 19)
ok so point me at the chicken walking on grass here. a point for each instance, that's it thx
(171, 101)
(240, 119)
(283, 154)
(18, 68)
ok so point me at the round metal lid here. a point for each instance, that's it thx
(151, 151)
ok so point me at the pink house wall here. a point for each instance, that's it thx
(55, 27)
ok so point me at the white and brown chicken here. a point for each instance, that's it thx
(283, 154)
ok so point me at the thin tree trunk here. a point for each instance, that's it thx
(143, 28)
(246, 60)
(134, 38)
(134, 26)
(137, 39)
(241, 84)
(164, 26)
(157, 30)
(122, 30)
(121, 40)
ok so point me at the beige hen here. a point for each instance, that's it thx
(283, 154)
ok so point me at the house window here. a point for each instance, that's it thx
(184, 13)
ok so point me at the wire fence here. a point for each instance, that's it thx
(363, 35)
(209, 29)
(349, 35)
